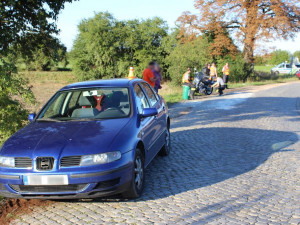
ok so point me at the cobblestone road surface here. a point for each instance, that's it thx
(235, 160)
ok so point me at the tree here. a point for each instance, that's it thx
(193, 54)
(106, 46)
(279, 56)
(39, 51)
(21, 17)
(18, 18)
(297, 54)
(250, 20)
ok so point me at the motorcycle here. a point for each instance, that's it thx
(202, 84)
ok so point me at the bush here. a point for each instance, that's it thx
(279, 56)
(12, 114)
(297, 55)
(191, 54)
(238, 67)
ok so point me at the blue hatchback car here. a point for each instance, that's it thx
(91, 139)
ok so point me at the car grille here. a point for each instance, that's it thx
(48, 188)
(70, 161)
(2, 187)
(23, 162)
(44, 163)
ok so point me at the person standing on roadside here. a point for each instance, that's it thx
(225, 71)
(213, 72)
(206, 70)
(148, 74)
(186, 81)
(157, 75)
(186, 78)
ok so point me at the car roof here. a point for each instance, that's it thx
(120, 82)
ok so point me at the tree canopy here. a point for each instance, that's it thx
(106, 46)
(249, 20)
(19, 19)
(39, 51)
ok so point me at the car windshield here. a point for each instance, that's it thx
(87, 104)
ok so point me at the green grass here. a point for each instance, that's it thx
(171, 93)
(266, 69)
(263, 82)
(173, 98)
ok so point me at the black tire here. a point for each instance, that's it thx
(136, 188)
(209, 91)
(165, 150)
(276, 73)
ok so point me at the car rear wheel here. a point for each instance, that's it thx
(167, 146)
(138, 178)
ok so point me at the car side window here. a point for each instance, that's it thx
(150, 93)
(141, 99)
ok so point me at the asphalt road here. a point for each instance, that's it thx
(235, 160)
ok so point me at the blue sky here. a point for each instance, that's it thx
(169, 10)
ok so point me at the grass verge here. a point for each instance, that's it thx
(262, 82)
(266, 69)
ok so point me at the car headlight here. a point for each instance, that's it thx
(7, 161)
(88, 160)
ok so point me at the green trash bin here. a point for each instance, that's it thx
(186, 91)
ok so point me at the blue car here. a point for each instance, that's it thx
(91, 139)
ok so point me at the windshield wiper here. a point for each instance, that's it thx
(47, 120)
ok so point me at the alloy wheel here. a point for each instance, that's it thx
(139, 172)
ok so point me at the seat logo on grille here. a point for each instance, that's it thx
(45, 163)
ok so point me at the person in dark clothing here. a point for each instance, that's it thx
(206, 70)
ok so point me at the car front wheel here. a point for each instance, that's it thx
(138, 178)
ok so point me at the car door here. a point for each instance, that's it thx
(146, 125)
(160, 123)
(286, 69)
(281, 68)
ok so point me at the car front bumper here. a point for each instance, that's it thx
(88, 182)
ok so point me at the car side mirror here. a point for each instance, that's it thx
(31, 117)
(147, 112)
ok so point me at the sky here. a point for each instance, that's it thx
(168, 10)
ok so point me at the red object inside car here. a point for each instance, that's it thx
(99, 100)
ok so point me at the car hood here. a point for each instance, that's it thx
(59, 139)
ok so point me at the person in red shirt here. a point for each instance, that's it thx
(148, 75)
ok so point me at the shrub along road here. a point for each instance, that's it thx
(235, 160)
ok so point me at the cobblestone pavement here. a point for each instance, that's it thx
(235, 160)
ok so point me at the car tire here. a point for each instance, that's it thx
(165, 150)
(276, 73)
(138, 177)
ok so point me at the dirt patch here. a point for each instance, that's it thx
(12, 207)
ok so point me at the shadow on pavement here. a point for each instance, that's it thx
(198, 160)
